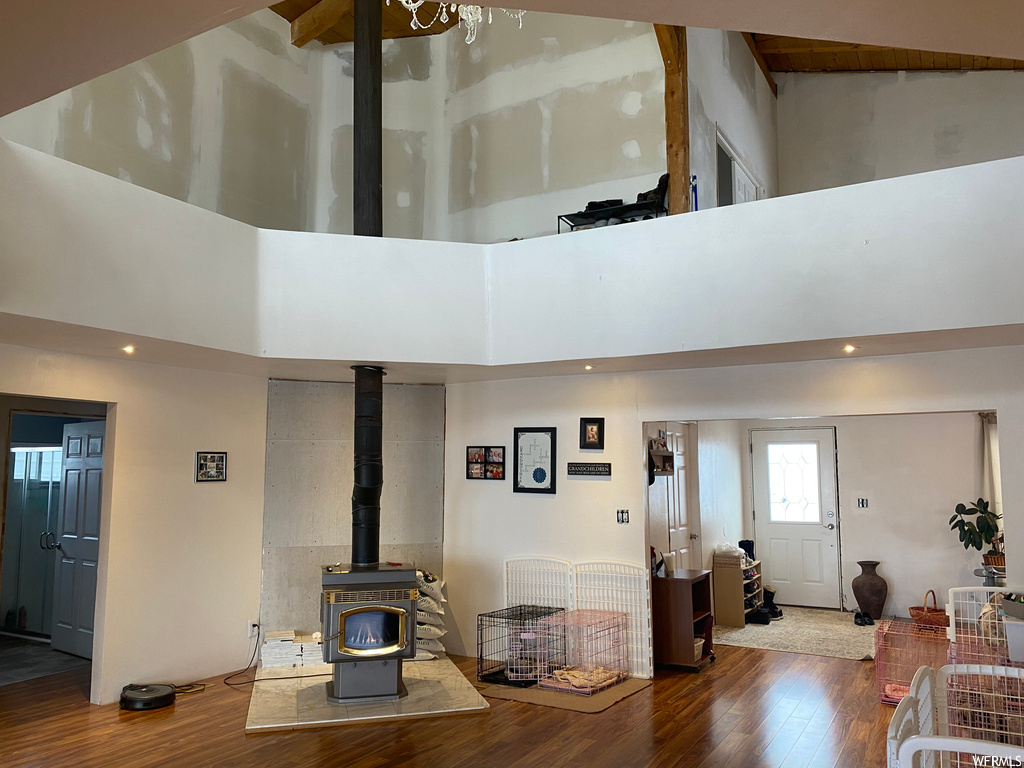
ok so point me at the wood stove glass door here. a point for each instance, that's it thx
(372, 630)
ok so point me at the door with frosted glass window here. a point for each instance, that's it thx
(796, 514)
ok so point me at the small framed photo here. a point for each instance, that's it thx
(592, 433)
(534, 459)
(485, 462)
(211, 466)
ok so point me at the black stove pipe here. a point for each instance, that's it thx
(369, 466)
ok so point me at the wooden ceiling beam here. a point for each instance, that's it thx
(672, 41)
(761, 63)
(789, 45)
(318, 19)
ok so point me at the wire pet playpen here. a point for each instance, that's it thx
(584, 651)
(978, 632)
(508, 652)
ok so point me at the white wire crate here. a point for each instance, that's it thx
(584, 651)
(507, 648)
(977, 631)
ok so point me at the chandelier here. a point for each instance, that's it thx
(472, 16)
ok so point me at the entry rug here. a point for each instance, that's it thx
(599, 702)
(805, 630)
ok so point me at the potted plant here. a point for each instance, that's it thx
(978, 526)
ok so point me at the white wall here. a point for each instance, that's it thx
(720, 449)
(485, 522)
(179, 569)
(889, 257)
(729, 94)
(837, 128)
(913, 469)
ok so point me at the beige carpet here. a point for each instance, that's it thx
(805, 630)
(599, 702)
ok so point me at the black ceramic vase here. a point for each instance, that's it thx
(870, 589)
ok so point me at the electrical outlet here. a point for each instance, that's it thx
(862, 503)
(254, 628)
(622, 516)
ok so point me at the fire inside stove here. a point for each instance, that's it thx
(372, 630)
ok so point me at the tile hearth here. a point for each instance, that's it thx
(436, 688)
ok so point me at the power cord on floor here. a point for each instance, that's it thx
(251, 665)
(252, 660)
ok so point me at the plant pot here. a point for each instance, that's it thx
(999, 561)
(870, 589)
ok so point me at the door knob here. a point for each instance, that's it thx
(694, 536)
(831, 526)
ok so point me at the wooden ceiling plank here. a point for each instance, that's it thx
(877, 60)
(889, 60)
(761, 63)
(914, 60)
(902, 58)
(803, 45)
(318, 20)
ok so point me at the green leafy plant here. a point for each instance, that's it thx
(978, 526)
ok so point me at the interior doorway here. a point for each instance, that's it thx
(45, 498)
(673, 509)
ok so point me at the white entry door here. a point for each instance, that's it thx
(796, 514)
(78, 538)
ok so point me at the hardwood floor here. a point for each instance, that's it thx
(750, 708)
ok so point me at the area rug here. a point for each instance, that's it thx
(599, 702)
(805, 630)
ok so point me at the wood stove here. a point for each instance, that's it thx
(368, 615)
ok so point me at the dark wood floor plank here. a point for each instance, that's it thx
(750, 708)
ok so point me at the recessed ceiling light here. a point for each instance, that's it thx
(849, 348)
(128, 350)
(588, 368)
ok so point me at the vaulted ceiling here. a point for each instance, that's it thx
(47, 46)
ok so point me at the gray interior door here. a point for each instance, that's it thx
(78, 538)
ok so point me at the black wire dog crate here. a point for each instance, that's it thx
(508, 649)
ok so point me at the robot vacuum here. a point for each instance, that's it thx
(142, 697)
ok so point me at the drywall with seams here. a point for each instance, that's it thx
(847, 128)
